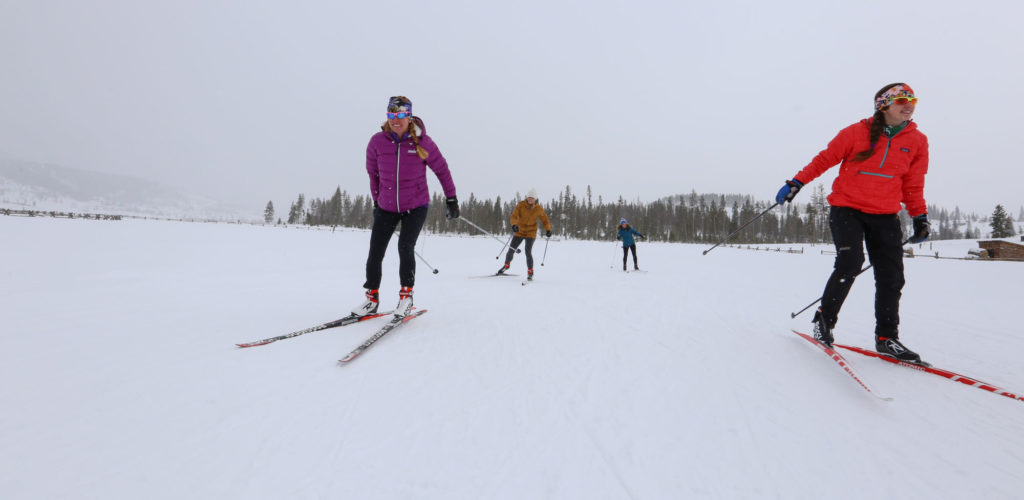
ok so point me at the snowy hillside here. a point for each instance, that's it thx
(44, 187)
(122, 379)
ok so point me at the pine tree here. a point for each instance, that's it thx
(1001, 224)
(335, 209)
(268, 213)
(297, 210)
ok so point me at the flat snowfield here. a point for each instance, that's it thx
(121, 378)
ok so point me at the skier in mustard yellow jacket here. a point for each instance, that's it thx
(524, 228)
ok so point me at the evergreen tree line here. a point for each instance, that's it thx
(693, 218)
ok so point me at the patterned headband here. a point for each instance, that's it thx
(898, 91)
(399, 104)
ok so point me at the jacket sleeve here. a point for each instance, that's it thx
(371, 170)
(514, 218)
(544, 218)
(913, 182)
(435, 160)
(839, 148)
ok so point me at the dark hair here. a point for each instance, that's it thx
(877, 126)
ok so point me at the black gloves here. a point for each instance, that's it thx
(451, 207)
(547, 234)
(789, 191)
(641, 236)
(921, 229)
(515, 228)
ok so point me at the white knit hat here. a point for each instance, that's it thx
(532, 193)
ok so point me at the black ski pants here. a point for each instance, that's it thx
(625, 252)
(882, 234)
(516, 240)
(384, 224)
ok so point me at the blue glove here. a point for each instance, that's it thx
(515, 228)
(451, 207)
(921, 229)
(789, 191)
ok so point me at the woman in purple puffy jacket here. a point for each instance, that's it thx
(397, 158)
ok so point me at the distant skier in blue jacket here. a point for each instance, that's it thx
(626, 233)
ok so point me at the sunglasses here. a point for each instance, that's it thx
(403, 114)
(904, 100)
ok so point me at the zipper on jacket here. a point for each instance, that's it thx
(398, 171)
(875, 174)
(886, 154)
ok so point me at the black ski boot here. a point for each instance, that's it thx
(822, 332)
(891, 346)
(529, 274)
(502, 270)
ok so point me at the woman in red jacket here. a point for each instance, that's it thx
(883, 161)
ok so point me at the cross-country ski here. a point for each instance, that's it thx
(843, 363)
(928, 368)
(347, 320)
(395, 323)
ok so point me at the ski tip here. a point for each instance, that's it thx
(352, 355)
(242, 346)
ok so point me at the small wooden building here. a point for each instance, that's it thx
(999, 249)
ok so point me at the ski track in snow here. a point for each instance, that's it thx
(681, 382)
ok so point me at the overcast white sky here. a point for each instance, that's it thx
(254, 100)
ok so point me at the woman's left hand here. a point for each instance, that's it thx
(451, 207)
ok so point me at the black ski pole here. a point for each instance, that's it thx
(793, 315)
(467, 221)
(427, 263)
(503, 247)
(740, 228)
(546, 241)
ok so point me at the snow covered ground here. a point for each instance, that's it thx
(121, 379)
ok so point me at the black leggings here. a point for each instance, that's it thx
(625, 252)
(516, 240)
(883, 235)
(384, 224)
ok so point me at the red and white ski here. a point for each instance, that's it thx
(956, 377)
(841, 361)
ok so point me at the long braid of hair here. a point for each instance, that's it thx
(413, 127)
(877, 126)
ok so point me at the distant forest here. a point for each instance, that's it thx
(692, 218)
